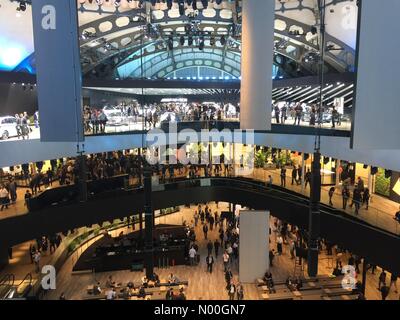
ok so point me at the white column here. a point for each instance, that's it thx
(254, 245)
(337, 172)
(257, 57)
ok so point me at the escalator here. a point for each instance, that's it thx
(15, 289)
(6, 285)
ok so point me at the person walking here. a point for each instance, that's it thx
(192, 256)
(294, 175)
(345, 196)
(217, 245)
(12, 187)
(231, 291)
(196, 218)
(393, 282)
(366, 197)
(205, 231)
(283, 177)
(382, 279)
(331, 193)
(36, 260)
(307, 178)
(4, 198)
(279, 243)
(240, 291)
(209, 247)
(210, 263)
(225, 259)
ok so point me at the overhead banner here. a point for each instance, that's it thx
(377, 106)
(55, 28)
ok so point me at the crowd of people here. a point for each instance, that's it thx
(152, 115)
(301, 112)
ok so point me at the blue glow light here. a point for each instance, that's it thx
(10, 57)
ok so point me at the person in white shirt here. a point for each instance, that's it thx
(3, 198)
(192, 256)
(111, 294)
(36, 259)
(225, 259)
(279, 243)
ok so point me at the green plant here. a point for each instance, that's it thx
(382, 185)
(260, 159)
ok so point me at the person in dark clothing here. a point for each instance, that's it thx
(366, 197)
(205, 231)
(299, 175)
(357, 200)
(307, 178)
(277, 113)
(283, 177)
(331, 193)
(294, 175)
(345, 196)
(217, 245)
(384, 291)
(382, 279)
(209, 247)
(271, 257)
(209, 262)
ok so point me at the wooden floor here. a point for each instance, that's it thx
(202, 285)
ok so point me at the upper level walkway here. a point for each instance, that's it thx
(380, 213)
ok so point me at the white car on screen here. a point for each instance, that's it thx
(114, 116)
(8, 127)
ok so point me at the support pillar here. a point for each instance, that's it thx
(314, 216)
(337, 181)
(257, 58)
(149, 219)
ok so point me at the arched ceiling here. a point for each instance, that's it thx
(121, 29)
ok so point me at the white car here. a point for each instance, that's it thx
(114, 116)
(8, 127)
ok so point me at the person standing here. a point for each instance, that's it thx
(277, 113)
(217, 245)
(210, 262)
(279, 243)
(36, 260)
(366, 197)
(382, 279)
(13, 190)
(283, 177)
(331, 193)
(294, 175)
(240, 291)
(231, 291)
(192, 256)
(205, 231)
(209, 247)
(345, 196)
(357, 200)
(307, 178)
(283, 114)
(225, 259)
(299, 175)
(196, 218)
(3, 198)
(393, 282)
